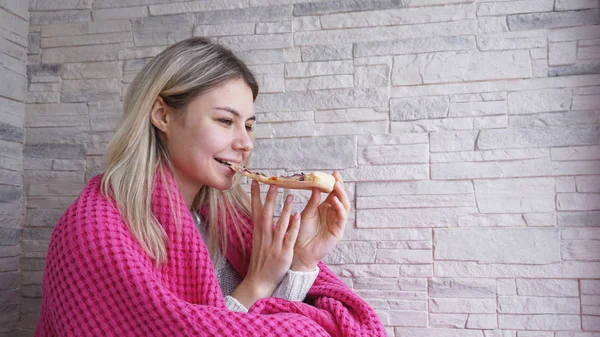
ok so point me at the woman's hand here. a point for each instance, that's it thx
(322, 226)
(272, 249)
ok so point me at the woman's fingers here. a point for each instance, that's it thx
(292, 234)
(339, 191)
(342, 215)
(255, 201)
(313, 203)
(338, 177)
(284, 219)
(267, 212)
(342, 195)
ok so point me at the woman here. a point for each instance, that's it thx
(166, 241)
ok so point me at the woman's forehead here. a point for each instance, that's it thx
(232, 96)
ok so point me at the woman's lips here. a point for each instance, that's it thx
(225, 165)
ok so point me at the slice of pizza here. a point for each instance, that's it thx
(302, 181)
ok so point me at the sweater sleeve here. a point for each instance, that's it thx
(295, 285)
(234, 305)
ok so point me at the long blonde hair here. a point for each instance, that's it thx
(135, 153)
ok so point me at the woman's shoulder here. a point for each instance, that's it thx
(92, 207)
(92, 227)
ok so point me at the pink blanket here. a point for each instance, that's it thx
(99, 282)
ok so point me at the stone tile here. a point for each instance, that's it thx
(13, 85)
(553, 19)
(567, 269)
(578, 201)
(537, 305)
(319, 83)
(162, 30)
(462, 305)
(14, 24)
(537, 137)
(322, 99)
(119, 13)
(404, 16)
(536, 101)
(82, 53)
(54, 17)
(482, 321)
(461, 288)
(353, 252)
(11, 133)
(562, 5)
(512, 40)
(320, 8)
(59, 151)
(539, 322)
(515, 195)
(365, 34)
(581, 67)
(403, 256)
(498, 245)
(579, 219)
(581, 250)
(448, 320)
(194, 6)
(426, 201)
(562, 53)
(515, 7)
(127, 3)
(254, 14)
(404, 109)
(85, 28)
(436, 332)
(224, 30)
(274, 27)
(399, 154)
(299, 153)
(350, 115)
(257, 42)
(82, 40)
(326, 52)
(417, 217)
(309, 69)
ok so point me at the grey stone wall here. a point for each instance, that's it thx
(14, 27)
(467, 132)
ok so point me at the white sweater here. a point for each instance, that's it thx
(293, 287)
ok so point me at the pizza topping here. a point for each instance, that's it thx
(299, 177)
(243, 170)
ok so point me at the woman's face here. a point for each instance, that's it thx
(217, 124)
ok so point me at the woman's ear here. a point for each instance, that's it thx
(159, 116)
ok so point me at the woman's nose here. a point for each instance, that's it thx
(244, 142)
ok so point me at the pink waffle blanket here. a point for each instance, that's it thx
(99, 282)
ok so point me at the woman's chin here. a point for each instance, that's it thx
(223, 186)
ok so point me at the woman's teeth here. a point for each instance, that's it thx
(222, 162)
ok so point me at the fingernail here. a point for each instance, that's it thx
(289, 198)
(272, 188)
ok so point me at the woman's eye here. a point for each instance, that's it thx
(226, 121)
(250, 128)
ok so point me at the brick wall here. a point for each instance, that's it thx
(467, 132)
(14, 27)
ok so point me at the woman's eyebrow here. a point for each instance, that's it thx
(233, 111)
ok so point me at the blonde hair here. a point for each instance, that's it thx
(136, 156)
